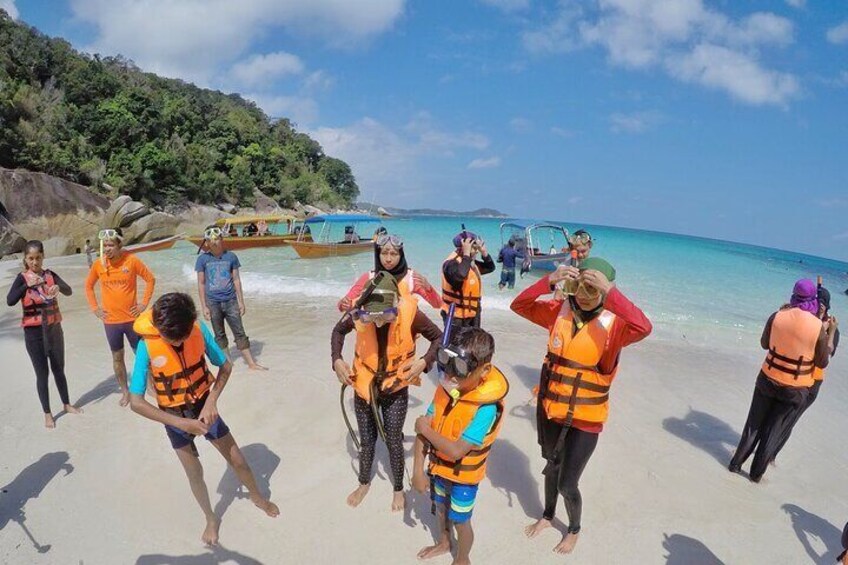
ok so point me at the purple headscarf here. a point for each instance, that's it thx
(805, 297)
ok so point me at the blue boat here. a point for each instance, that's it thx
(543, 246)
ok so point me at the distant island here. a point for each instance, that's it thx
(479, 213)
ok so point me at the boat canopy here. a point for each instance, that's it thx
(342, 219)
(529, 225)
(239, 220)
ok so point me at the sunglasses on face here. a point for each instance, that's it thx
(455, 363)
(392, 240)
(387, 316)
(213, 233)
(108, 234)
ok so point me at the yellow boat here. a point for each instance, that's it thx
(326, 245)
(246, 232)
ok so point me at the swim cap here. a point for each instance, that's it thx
(457, 240)
(598, 264)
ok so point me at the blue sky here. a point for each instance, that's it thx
(724, 119)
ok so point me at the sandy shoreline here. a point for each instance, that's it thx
(655, 491)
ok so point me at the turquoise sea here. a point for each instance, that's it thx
(705, 291)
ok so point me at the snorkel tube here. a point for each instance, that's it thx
(102, 256)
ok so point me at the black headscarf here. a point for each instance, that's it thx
(400, 269)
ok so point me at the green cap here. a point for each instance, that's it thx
(384, 294)
(598, 264)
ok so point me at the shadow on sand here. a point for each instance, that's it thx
(808, 525)
(263, 462)
(101, 390)
(214, 556)
(508, 469)
(683, 550)
(705, 432)
(28, 485)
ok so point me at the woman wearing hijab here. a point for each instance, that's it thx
(797, 345)
(390, 257)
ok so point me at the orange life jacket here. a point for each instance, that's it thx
(573, 386)
(400, 350)
(467, 300)
(792, 348)
(37, 307)
(451, 418)
(179, 377)
(818, 374)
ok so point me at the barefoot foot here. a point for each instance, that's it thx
(398, 501)
(356, 496)
(567, 544)
(125, 398)
(266, 506)
(257, 367)
(49, 422)
(537, 527)
(210, 534)
(434, 550)
(71, 409)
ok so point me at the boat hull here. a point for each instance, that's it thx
(234, 243)
(312, 250)
(153, 245)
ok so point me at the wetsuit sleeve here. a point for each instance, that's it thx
(486, 266)
(90, 281)
(431, 410)
(431, 295)
(344, 327)
(835, 342)
(765, 339)
(17, 290)
(356, 289)
(456, 272)
(213, 350)
(480, 424)
(138, 381)
(541, 312)
(422, 325)
(822, 356)
(631, 324)
(64, 287)
(149, 281)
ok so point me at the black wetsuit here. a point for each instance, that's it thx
(455, 274)
(45, 345)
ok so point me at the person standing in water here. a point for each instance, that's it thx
(797, 345)
(389, 256)
(174, 350)
(221, 296)
(462, 282)
(118, 273)
(507, 257)
(588, 329)
(37, 289)
(387, 323)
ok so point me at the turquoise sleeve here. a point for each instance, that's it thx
(431, 409)
(216, 356)
(138, 381)
(480, 424)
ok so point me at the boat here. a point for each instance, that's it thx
(157, 245)
(543, 246)
(330, 242)
(242, 232)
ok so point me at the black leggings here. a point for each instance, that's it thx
(35, 346)
(811, 397)
(563, 476)
(393, 407)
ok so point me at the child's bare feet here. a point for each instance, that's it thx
(257, 367)
(210, 534)
(567, 544)
(536, 527)
(398, 501)
(266, 506)
(459, 561)
(49, 422)
(71, 409)
(354, 498)
(125, 398)
(434, 550)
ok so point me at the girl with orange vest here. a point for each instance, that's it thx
(173, 350)
(587, 331)
(797, 345)
(387, 322)
(389, 256)
(460, 427)
(37, 289)
(462, 282)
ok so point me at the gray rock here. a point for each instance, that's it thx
(110, 218)
(152, 227)
(131, 212)
(59, 246)
(264, 204)
(10, 240)
(227, 207)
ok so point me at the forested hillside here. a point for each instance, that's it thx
(102, 121)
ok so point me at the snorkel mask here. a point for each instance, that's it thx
(455, 362)
(378, 302)
(213, 232)
(108, 234)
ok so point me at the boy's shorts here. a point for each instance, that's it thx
(180, 438)
(462, 498)
(115, 334)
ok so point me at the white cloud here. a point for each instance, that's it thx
(840, 236)
(574, 200)
(839, 34)
(196, 39)
(264, 69)
(797, 3)
(11, 9)
(488, 163)
(562, 132)
(433, 138)
(300, 110)
(636, 122)
(690, 41)
(318, 81)
(520, 125)
(508, 5)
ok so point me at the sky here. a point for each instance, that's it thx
(724, 119)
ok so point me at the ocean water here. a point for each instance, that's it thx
(704, 291)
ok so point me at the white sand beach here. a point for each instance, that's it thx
(105, 487)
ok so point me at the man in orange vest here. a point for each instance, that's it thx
(797, 345)
(174, 349)
(460, 427)
(588, 329)
(462, 283)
